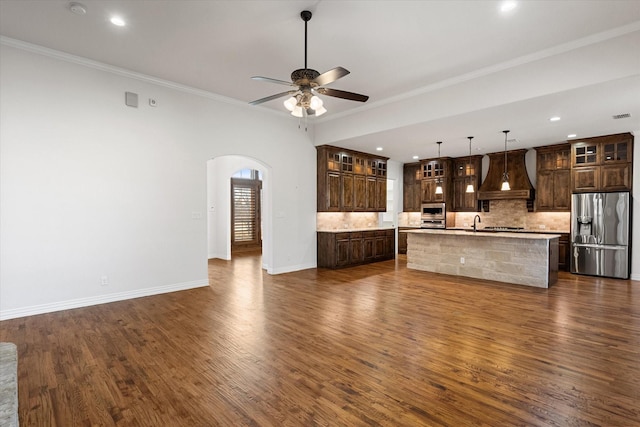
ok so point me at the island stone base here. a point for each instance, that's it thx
(521, 259)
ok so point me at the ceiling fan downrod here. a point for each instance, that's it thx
(306, 16)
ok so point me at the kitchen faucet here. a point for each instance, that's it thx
(474, 222)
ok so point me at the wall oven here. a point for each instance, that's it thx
(433, 215)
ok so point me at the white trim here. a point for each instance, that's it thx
(492, 69)
(635, 277)
(79, 60)
(100, 299)
(291, 268)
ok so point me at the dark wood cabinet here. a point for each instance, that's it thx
(350, 181)
(466, 170)
(564, 252)
(359, 192)
(434, 173)
(602, 163)
(343, 249)
(553, 177)
(411, 189)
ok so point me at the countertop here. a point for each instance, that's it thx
(486, 234)
(350, 230)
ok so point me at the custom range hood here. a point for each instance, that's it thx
(521, 187)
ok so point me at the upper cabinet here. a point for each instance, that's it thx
(553, 177)
(436, 173)
(602, 163)
(412, 191)
(466, 170)
(350, 181)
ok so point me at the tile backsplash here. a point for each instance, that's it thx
(502, 213)
(327, 221)
(513, 213)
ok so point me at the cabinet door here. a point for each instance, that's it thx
(356, 250)
(342, 252)
(615, 177)
(459, 188)
(544, 192)
(333, 192)
(371, 194)
(402, 241)
(585, 179)
(347, 192)
(379, 248)
(368, 242)
(381, 194)
(359, 192)
(410, 199)
(585, 154)
(616, 152)
(562, 190)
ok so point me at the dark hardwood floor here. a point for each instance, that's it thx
(365, 346)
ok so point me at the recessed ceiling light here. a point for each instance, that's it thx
(379, 149)
(508, 6)
(554, 119)
(416, 157)
(571, 135)
(77, 8)
(116, 20)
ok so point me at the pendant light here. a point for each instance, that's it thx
(470, 188)
(438, 181)
(505, 175)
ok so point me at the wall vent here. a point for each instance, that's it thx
(621, 116)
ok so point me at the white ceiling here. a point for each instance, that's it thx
(434, 70)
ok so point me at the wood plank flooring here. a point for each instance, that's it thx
(377, 345)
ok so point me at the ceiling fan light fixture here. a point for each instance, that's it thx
(290, 103)
(320, 111)
(297, 111)
(315, 103)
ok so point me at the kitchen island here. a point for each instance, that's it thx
(529, 259)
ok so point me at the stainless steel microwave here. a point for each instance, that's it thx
(433, 211)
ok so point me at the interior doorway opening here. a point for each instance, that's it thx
(246, 212)
(220, 172)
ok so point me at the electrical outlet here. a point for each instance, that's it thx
(104, 280)
(461, 260)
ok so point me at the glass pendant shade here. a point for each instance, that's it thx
(320, 111)
(439, 189)
(297, 111)
(290, 103)
(315, 103)
(505, 175)
(470, 188)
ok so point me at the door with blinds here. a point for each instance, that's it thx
(245, 214)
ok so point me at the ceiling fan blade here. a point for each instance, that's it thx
(269, 98)
(330, 76)
(342, 94)
(268, 79)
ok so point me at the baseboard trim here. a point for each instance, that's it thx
(290, 268)
(100, 299)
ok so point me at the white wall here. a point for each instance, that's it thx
(92, 188)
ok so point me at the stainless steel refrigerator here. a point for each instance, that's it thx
(600, 234)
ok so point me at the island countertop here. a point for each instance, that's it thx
(529, 259)
(509, 234)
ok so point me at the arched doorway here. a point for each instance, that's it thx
(219, 173)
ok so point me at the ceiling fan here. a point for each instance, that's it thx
(308, 83)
